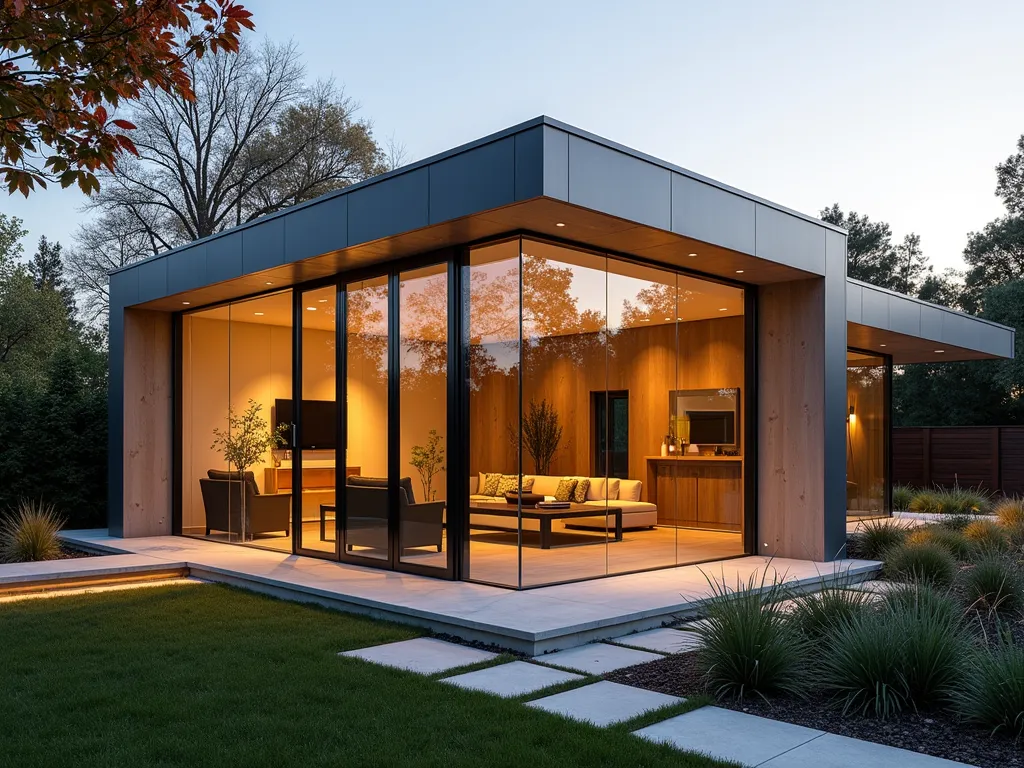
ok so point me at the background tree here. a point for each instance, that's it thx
(255, 139)
(63, 63)
(911, 265)
(47, 271)
(870, 255)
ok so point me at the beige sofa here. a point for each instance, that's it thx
(603, 492)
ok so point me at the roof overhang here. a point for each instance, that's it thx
(915, 331)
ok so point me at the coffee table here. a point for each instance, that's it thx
(545, 516)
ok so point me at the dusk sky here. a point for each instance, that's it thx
(899, 110)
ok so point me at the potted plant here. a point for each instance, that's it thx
(429, 460)
(246, 441)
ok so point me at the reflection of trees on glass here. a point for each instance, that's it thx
(367, 329)
(424, 328)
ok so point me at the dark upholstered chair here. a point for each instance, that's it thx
(420, 525)
(222, 497)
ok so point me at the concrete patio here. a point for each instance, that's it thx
(532, 621)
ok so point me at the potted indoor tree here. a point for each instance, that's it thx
(429, 460)
(245, 443)
(542, 434)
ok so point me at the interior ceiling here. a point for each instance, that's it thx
(907, 349)
(540, 215)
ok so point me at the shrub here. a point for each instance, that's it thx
(874, 537)
(949, 539)
(926, 501)
(1015, 533)
(993, 694)
(748, 645)
(987, 536)
(29, 533)
(922, 598)
(863, 666)
(819, 613)
(1010, 511)
(929, 563)
(996, 583)
(902, 495)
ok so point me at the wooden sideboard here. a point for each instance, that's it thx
(279, 479)
(697, 491)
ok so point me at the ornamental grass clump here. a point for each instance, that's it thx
(995, 583)
(949, 539)
(987, 536)
(748, 646)
(817, 614)
(874, 537)
(902, 495)
(964, 501)
(926, 500)
(29, 533)
(1010, 511)
(929, 563)
(993, 692)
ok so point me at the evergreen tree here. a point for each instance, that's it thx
(47, 271)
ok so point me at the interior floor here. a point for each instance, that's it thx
(574, 555)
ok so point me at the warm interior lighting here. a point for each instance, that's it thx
(679, 318)
(668, 319)
(311, 309)
(881, 345)
(691, 255)
(939, 351)
(724, 309)
(258, 314)
(323, 301)
(186, 303)
(559, 224)
(645, 319)
(853, 416)
(268, 282)
(739, 271)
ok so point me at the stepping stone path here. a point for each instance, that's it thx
(425, 655)
(662, 640)
(596, 658)
(514, 679)
(721, 733)
(604, 703)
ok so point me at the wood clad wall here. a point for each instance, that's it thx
(148, 392)
(566, 370)
(791, 400)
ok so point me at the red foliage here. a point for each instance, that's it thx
(64, 62)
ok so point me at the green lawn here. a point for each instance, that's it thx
(209, 675)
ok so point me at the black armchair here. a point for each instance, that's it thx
(222, 498)
(420, 525)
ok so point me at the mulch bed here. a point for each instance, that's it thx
(938, 734)
(68, 553)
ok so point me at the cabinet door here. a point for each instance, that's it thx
(720, 497)
(680, 505)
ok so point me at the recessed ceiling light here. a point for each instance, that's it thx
(559, 224)
(668, 319)
(881, 345)
(939, 351)
(723, 309)
(645, 319)
(739, 271)
(323, 301)
(186, 303)
(258, 314)
(311, 309)
(269, 282)
(691, 255)
(679, 318)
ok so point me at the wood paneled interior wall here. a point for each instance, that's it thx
(148, 393)
(865, 437)
(791, 429)
(566, 370)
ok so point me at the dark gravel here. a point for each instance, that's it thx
(937, 734)
(69, 553)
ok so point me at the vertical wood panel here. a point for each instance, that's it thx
(791, 485)
(148, 391)
(988, 457)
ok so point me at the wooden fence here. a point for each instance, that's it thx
(990, 457)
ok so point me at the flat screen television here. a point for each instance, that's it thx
(319, 423)
(712, 427)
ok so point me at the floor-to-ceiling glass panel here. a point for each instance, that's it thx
(366, 356)
(318, 425)
(236, 370)
(423, 419)
(491, 293)
(866, 428)
(564, 373)
(642, 351)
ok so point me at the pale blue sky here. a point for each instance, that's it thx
(897, 109)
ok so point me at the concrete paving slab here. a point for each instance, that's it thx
(514, 679)
(604, 703)
(425, 655)
(729, 735)
(597, 658)
(662, 640)
(833, 751)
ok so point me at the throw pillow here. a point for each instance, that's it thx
(566, 486)
(491, 480)
(528, 484)
(507, 484)
(579, 493)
